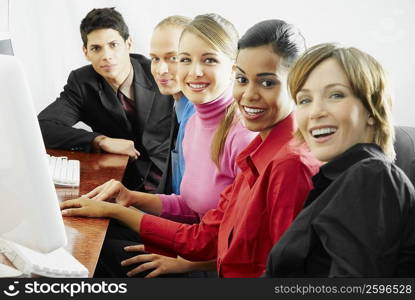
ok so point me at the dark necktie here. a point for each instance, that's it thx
(129, 107)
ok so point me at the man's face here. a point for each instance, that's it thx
(163, 52)
(109, 54)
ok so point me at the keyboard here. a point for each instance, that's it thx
(64, 171)
(57, 264)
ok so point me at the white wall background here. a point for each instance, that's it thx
(46, 35)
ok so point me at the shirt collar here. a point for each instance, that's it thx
(212, 112)
(259, 152)
(356, 153)
(179, 107)
(127, 86)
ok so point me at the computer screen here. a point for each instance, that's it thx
(29, 207)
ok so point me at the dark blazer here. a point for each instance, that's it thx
(166, 179)
(87, 97)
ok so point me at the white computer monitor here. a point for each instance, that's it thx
(29, 207)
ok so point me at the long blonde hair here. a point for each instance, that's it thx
(223, 36)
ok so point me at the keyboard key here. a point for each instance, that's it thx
(58, 264)
(65, 172)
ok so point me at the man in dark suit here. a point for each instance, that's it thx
(117, 97)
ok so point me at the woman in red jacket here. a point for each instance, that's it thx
(275, 177)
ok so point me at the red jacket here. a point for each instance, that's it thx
(252, 213)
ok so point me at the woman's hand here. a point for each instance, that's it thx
(114, 190)
(85, 207)
(111, 190)
(160, 264)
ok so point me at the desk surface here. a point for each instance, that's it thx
(86, 235)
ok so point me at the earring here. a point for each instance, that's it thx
(371, 121)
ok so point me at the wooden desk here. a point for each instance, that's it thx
(86, 235)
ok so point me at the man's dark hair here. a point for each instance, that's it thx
(103, 18)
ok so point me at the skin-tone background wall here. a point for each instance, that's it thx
(46, 35)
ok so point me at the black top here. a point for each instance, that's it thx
(358, 221)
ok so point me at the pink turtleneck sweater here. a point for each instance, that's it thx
(202, 182)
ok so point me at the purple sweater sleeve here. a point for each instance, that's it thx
(175, 208)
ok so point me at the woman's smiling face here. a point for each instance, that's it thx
(260, 88)
(204, 73)
(329, 116)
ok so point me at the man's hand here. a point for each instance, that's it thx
(110, 190)
(118, 146)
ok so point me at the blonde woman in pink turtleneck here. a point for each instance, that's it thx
(203, 180)
(213, 138)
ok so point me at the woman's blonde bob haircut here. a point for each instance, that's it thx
(367, 80)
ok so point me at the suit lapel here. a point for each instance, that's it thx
(144, 99)
(111, 103)
(144, 95)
